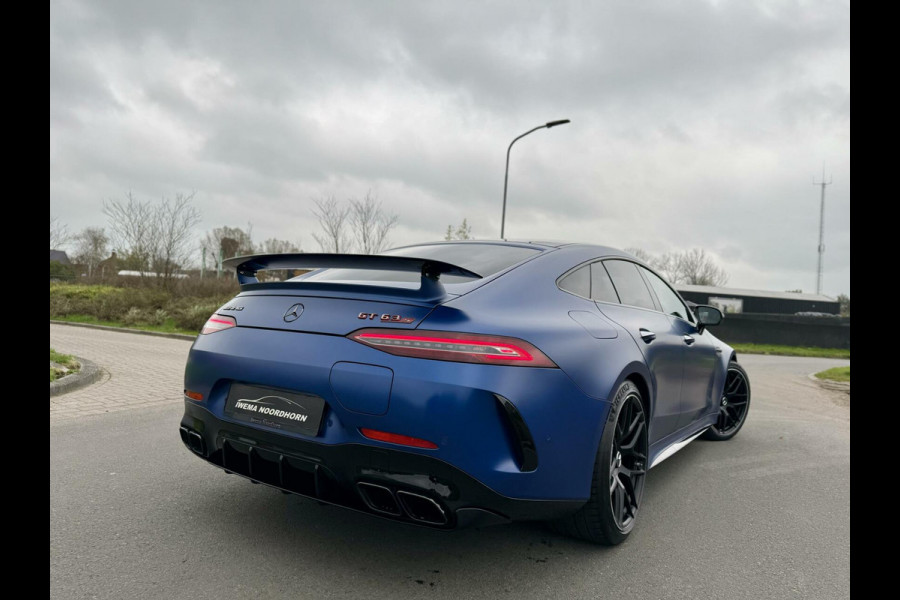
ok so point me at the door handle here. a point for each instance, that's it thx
(688, 340)
(647, 335)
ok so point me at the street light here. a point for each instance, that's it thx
(506, 174)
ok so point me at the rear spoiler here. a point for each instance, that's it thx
(430, 270)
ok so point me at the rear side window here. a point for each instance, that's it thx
(484, 259)
(629, 284)
(577, 282)
(601, 285)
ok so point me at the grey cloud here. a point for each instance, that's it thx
(694, 123)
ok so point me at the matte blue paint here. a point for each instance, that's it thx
(594, 324)
(362, 388)
(452, 404)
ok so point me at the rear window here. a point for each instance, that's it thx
(484, 259)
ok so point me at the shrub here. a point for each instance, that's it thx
(133, 316)
(138, 305)
(61, 271)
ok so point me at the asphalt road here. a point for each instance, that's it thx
(133, 514)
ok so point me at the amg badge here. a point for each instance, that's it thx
(385, 318)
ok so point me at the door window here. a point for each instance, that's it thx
(668, 299)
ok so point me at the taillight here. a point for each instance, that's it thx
(396, 438)
(456, 347)
(218, 323)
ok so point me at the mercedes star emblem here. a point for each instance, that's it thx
(293, 313)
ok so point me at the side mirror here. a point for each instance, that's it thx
(708, 316)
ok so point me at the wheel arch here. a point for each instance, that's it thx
(644, 388)
(638, 373)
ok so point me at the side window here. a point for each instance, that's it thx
(629, 284)
(671, 303)
(577, 282)
(601, 285)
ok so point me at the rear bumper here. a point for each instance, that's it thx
(459, 407)
(389, 483)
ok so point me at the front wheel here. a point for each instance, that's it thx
(619, 473)
(733, 406)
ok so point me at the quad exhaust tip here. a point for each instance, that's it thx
(193, 440)
(379, 498)
(422, 508)
(416, 506)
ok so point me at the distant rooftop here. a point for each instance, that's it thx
(723, 291)
(60, 256)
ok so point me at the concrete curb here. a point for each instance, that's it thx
(88, 374)
(175, 336)
(828, 384)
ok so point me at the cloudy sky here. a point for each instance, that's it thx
(694, 123)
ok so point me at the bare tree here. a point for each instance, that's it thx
(91, 248)
(332, 218)
(462, 232)
(59, 234)
(370, 224)
(154, 236)
(669, 264)
(132, 224)
(173, 224)
(844, 301)
(698, 268)
(276, 246)
(693, 267)
(640, 254)
(232, 241)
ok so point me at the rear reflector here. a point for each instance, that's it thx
(218, 323)
(452, 346)
(396, 438)
(193, 395)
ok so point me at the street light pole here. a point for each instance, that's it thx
(547, 125)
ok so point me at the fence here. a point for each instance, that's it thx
(789, 330)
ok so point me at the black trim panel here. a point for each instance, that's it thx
(330, 473)
(526, 452)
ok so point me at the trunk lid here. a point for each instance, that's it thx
(317, 314)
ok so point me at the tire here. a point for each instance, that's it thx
(733, 406)
(619, 473)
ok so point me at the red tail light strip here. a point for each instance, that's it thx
(456, 347)
(396, 438)
(218, 323)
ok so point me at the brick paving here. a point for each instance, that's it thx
(139, 371)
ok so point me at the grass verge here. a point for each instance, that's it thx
(791, 350)
(835, 374)
(66, 361)
(167, 326)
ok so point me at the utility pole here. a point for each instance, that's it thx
(822, 184)
(203, 263)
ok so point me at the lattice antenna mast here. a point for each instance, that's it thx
(821, 184)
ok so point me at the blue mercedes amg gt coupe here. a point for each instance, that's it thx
(452, 384)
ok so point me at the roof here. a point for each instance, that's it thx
(722, 291)
(60, 256)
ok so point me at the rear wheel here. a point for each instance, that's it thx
(733, 405)
(619, 473)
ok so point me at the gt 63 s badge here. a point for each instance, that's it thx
(385, 318)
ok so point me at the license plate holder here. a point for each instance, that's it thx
(283, 410)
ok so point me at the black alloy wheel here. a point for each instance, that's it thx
(733, 405)
(620, 469)
(628, 463)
